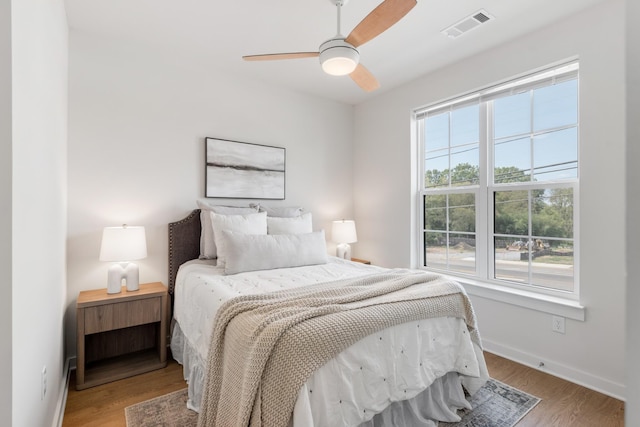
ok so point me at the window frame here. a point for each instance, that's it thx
(485, 189)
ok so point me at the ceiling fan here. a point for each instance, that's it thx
(339, 55)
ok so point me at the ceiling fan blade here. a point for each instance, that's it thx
(379, 20)
(278, 56)
(364, 79)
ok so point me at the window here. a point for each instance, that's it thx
(499, 183)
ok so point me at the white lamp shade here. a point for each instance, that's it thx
(123, 243)
(344, 231)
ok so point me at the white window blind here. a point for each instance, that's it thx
(536, 80)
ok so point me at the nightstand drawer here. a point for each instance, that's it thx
(122, 315)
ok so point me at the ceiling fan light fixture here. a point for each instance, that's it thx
(338, 58)
(339, 55)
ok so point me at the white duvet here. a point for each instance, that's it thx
(393, 365)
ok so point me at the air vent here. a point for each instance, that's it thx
(481, 17)
(466, 24)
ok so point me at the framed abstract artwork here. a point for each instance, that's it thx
(240, 170)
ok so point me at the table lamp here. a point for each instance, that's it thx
(343, 232)
(123, 244)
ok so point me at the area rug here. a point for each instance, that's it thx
(495, 405)
(169, 410)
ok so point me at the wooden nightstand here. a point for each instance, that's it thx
(363, 261)
(120, 335)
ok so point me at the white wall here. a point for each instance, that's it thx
(632, 407)
(5, 207)
(40, 54)
(138, 119)
(591, 352)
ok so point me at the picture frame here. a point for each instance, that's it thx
(242, 170)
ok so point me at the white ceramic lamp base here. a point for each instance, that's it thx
(126, 271)
(343, 250)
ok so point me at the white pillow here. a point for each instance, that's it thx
(208, 248)
(253, 223)
(296, 225)
(250, 252)
(279, 211)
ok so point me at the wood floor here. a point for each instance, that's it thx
(103, 406)
(563, 404)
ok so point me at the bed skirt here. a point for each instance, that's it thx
(439, 402)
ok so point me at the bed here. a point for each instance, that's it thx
(411, 373)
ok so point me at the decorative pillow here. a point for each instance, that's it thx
(247, 252)
(295, 225)
(207, 243)
(253, 223)
(279, 211)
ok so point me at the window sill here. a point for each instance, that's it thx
(533, 301)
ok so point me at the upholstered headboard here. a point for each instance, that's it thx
(184, 244)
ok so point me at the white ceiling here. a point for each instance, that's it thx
(220, 32)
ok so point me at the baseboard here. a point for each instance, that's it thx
(62, 394)
(576, 376)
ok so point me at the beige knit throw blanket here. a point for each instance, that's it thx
(264, 347)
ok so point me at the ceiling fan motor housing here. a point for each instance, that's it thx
(338, 57)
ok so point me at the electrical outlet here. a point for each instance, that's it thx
(557, 324)
(43, 383)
